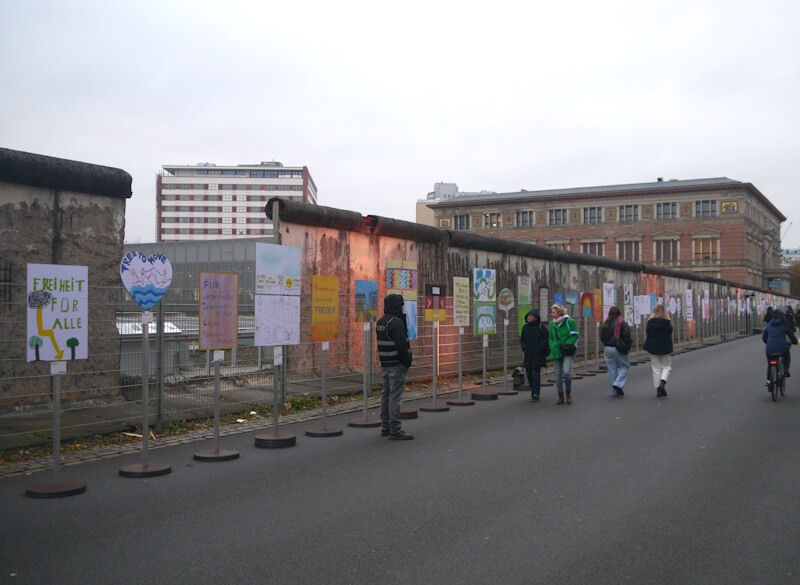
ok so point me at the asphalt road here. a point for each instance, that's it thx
(701, 488)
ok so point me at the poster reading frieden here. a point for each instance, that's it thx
(58, 312)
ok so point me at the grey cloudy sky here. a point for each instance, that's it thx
(382, 100)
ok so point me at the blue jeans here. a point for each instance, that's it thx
(393, 380)
(619, 365)
(562, 370)
(534, 380)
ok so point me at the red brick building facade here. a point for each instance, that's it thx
(718, 227)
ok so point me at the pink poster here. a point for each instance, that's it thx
(218, 310)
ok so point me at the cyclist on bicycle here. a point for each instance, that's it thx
(774, 335)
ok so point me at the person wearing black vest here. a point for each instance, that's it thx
(394, 352)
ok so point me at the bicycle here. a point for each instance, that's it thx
(776, 381)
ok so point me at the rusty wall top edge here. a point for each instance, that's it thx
(316, 215)
(36, 170)
(397, 228)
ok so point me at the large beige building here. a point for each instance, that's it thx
(211, 202)
(718, 227)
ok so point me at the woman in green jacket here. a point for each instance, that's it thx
(563, 331)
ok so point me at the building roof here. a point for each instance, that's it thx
(638, 189)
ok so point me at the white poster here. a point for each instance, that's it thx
(277, 320)
(58, 313)
(524, 289)
(608, 294)
(277, 270)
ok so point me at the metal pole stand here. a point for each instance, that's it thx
(484, 393)
(56, 488)
(324, 431)
(366, 422)
(460, 401)
(433, 407)
(216, 454)
(276, 440)
(505, 391)
(145, 468)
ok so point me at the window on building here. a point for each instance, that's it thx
(492, 220)
(628, 213)
(593, 248)
(558, 217)
(705, 208)
(227, 231)
(628, 251)
(227, 209)
(665, 250)
(666, 211)
(524, 219)
(461, 222)
(241, 231)
(213, 186)
(706, 250)
(558, 246)
(592, 215)
(227, 197)
(241, 197)
(241, 220)
(241, 209)
(227, 220)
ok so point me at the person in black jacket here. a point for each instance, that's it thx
(774, 335)
(790, 319)
(659, 345)
(616, 337)
(768, 315)
(394, 352)
(534, 343)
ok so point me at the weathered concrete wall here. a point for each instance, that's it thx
(344, 244)
(44, 220)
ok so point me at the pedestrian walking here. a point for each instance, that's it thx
(563, 340)
(616, 338)
(534, 341)
(768, 315)
(790, 319)
(394, 352)
(659, 345)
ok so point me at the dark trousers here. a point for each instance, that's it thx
(534, 375)
(787, 360)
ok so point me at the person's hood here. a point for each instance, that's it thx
(393, 305)
(536, 313)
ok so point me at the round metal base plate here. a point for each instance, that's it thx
(434, 408)
(216, 455)
(457, 402)
(279, 441)
(55, 489)
(145, 470)
(324, 433)
(408, 413)
(369, 423)
(480, 395)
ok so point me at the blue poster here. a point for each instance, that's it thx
(558, 298)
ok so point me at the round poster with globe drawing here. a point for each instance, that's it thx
(147, 278)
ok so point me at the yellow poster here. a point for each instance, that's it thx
(324, 308)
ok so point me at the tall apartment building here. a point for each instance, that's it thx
(210, 202)
(719, 227)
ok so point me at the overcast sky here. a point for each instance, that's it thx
(381, 100)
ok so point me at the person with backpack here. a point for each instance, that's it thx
(616, 338)
(659, 345)
(563, 340)
(534, 341)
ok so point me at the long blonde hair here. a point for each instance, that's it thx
(562, 310)
(659, 312)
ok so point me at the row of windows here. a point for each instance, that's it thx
(591, 215)
(253, 174)
(212, 231)
(214, 208)
(193, 220)
(200, 197)
(217, 187)
(705, 250)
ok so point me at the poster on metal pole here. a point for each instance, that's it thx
(218, 330)
(57, 331)
(147, 279)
